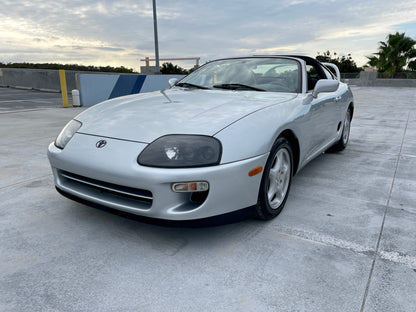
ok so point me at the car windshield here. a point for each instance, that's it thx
(247, 74)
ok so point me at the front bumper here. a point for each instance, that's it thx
(111, 177)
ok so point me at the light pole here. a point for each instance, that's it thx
(156, 39)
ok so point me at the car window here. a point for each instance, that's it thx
(328, 73)
(314, 73)
(248, 74)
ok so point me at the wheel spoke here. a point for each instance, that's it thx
(271, 195)
(285, 183)
(285, 169)
(277, 162)
(272, 185)
(280, 195)
(273, 174)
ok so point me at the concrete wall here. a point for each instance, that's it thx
(95, 88)
(369, 79)
(38, 79)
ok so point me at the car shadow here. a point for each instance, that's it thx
(224, 219)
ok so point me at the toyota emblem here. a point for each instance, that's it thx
(101, 143)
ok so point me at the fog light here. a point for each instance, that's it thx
(200, 186)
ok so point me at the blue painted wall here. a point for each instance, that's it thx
(96, 88)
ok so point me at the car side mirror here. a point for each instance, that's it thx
(172, 81)
(325, 85)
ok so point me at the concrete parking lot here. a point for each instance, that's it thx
(346, 240)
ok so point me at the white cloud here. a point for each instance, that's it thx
(121, 32)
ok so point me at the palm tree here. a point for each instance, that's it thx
(394, 55)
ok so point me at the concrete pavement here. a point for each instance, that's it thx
(346, 240)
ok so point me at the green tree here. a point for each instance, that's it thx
(395, 55)
(345, 63)
(169, 68)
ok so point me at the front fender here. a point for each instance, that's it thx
(255, 134)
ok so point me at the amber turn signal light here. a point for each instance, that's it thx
(255, 171)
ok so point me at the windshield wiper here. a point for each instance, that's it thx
(236, 86)
(190, 85)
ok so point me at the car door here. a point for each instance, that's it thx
(323, 112)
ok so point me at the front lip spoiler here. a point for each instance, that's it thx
(224, 219)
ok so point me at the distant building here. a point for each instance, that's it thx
(148, 70)
(369, 69)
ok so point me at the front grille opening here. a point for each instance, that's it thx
(119, 193)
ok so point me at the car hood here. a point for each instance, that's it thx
(148, 116)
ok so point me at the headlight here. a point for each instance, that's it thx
(67, 132)
(181, 151)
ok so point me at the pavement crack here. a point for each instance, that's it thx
(2, 188)
(384, 217)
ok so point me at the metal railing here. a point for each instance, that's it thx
(350, 75)
(402, 75)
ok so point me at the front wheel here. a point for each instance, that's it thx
(277, 177)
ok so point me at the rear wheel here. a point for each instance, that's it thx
(343, 141)
(277, 177)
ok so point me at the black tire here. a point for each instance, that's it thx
(345, 136)
(271, 201)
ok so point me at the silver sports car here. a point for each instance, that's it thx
(226, 137)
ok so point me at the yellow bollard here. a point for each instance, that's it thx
(63, 88)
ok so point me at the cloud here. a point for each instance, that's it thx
(121, 32)
(109, 49)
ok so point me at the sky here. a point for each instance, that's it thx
(120, 33)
